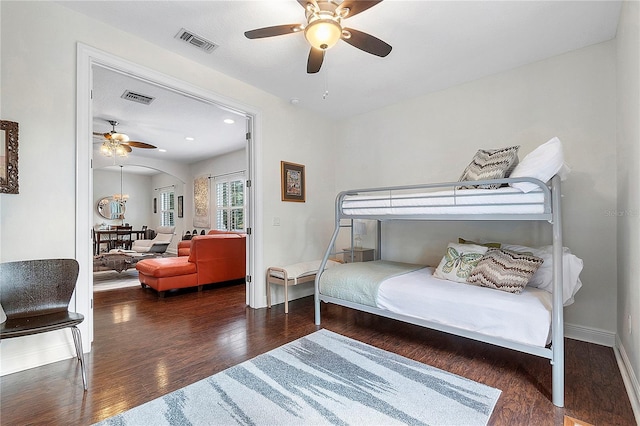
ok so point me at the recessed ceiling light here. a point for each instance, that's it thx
(162, 150)
(189, 138)
(228, 121)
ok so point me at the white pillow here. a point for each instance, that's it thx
(543, 278)
(542, 163)
(459, 261)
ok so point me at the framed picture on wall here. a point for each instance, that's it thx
(180, 206)
(292, 182)
(8, 157)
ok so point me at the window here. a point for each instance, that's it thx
(230, 204)
(167, 206)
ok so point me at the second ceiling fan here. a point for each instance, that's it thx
(324, 29)
(115, 143)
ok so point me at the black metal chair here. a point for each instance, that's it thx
(35, 296)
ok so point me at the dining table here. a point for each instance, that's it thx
(113, 235)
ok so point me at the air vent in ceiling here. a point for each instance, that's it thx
(196, 40)
(137, 97)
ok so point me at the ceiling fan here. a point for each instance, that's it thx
(118, 143)
(324, 28)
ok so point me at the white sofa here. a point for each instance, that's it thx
(164, 235)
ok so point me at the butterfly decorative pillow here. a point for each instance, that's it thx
(459, 261)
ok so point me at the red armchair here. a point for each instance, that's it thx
(212, 259)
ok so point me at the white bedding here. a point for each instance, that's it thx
(504, 200)
(523, 318)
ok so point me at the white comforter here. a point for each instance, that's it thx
(523, 318)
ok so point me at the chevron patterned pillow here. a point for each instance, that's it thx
(505, 270)
(490, 164)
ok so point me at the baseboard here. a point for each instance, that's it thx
(295, 292)
(628, 377)
(23, 353)
(590, 335)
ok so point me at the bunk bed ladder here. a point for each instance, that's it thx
(325, 258)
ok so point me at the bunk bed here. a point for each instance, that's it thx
(458, 201)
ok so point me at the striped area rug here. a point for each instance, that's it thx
(323, 378)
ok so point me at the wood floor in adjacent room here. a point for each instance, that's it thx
(145, 347)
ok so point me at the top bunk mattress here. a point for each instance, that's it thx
(501, 201)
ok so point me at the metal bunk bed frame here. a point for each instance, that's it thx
(551, 213)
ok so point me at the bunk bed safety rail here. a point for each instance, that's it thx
(448, 201)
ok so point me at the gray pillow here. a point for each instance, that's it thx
(490, 164)
(504, 270)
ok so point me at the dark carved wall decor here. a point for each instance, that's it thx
(9, 157)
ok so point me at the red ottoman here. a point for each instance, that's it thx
(167, 273)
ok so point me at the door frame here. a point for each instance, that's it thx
(87, 57)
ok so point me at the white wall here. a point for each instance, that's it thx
(158, 182)
(628, 177)
(39, 91)
(228, 163)
(106, 183)
(432, 138)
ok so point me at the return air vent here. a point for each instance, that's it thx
(137, 97)
(196, 40)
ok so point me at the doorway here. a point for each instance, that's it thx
(88, 58)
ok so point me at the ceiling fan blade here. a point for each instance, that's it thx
(316, 56)
(126, 147)
(137, 144)
(304, 3)
(367, 42)
(356, 6)
(273, 31)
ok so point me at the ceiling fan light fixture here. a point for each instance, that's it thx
(119, 137)
(323, 33)
(121, 151)
(106, 150)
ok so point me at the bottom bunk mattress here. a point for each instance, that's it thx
(413, 291)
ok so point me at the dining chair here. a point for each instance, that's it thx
(123, 237)
(99, 241)
(35, 296)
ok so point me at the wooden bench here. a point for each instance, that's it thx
(297, 273)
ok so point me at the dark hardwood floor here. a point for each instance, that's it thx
(145, 347)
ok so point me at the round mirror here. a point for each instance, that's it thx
(110, 208)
